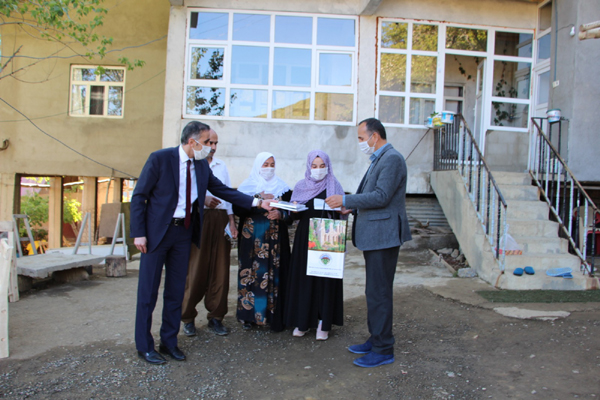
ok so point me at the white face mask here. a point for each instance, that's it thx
(267, 173)
(365, 148)
(318, 173)
(202, 154)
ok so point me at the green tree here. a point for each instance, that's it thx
(72, 24)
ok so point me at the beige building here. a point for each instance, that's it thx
(63, 121)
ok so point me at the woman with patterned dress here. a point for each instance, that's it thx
(263, 249)
(313, 302)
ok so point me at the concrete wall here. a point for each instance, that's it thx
(575, 65)
(241, 141)
(41, 92)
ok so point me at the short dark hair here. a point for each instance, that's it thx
(374, 125)
(193, 130)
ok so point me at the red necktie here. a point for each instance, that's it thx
(188, 196)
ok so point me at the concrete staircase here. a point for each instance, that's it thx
(529, 225)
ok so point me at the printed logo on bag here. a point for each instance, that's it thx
(325, 259)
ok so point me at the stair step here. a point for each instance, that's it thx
(536, 227)
(546, 245)
(519, 192)
(511, 178)
(541, 281)
(541, 262)
(528, 209)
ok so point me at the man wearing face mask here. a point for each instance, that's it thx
(208, 271)
(380, 227)
(163, 206)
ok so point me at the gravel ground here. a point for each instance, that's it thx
(445, 349)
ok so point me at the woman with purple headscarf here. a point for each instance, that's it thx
(312, 302)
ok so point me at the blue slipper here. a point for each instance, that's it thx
(567, 276)
(529, 271)
(559, 271)
(518, 271)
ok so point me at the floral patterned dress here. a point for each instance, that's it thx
(264, 255)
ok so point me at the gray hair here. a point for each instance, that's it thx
(193, 130)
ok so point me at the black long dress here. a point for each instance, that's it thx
(310, 298)
(264, 256)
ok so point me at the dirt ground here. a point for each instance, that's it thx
(75, 341)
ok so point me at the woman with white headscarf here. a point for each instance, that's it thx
(313, 302)
(263, 249)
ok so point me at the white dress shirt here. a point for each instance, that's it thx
(220, 171)
(183, 158)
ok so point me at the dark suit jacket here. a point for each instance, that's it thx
(381, 221)
(155, 196)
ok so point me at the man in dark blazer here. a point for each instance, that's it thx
(380, 227)
(165, 221)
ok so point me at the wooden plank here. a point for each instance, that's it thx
(13, 284)
(6, 253)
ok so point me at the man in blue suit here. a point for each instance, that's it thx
(165, 221)
(380, 227)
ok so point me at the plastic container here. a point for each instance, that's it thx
(447, 117)
(553, 115)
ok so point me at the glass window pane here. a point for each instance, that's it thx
(293, 29)
(335, 69)
(425, 37)
(513, 44)
(78, 94)
(335, 32)
(391, 109)
(453, 91)
(466, 39)
(291, 105)
(420, 109)
(511, 79)
(248, 103)
(250, 65)
(543, 88)
(209, 26)
(115, 100)
(509, 114)
(207, 63)
(292, 67)
(252, 27)
(333, 107)
(205, 101)
(423, 74)
(394, 35)
(112, 75)
(84, 74)
(393, 72)
(543, 48)
(97, 100)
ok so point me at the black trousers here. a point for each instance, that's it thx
(173, 252)
(380, 269)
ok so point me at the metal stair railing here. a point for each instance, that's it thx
(455, 148)
(565, 196)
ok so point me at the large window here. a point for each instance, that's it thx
(97, 91)
(411, 72)
(274, 67)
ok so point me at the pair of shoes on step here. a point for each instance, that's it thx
(527, 270)
(370, 358)
(321, 334)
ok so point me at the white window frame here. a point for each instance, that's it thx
(441, 53)
(314, 87)
(97, 82)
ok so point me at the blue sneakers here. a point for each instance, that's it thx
(374, 360)
(364, 348)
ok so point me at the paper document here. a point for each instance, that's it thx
(320, 203)
(286, 205)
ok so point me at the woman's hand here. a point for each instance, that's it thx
(274, 214)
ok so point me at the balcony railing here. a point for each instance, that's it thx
(455, 148)
(570, 204)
